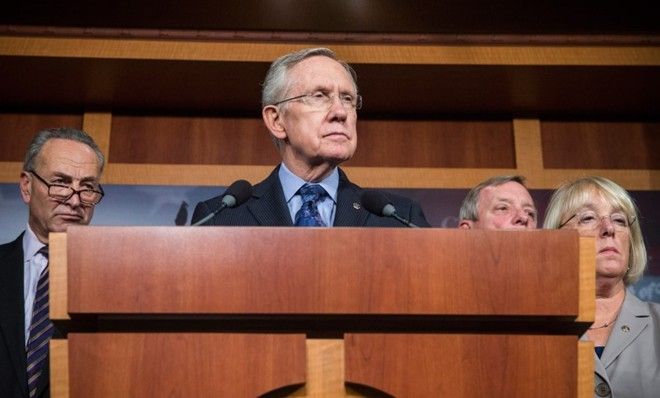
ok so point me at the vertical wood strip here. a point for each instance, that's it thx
(59, 368)
(585, 376)
(529, 152)
(325, 369)
(99, 125)
(587, 275)
(58, 282)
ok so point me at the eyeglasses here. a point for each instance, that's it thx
(89, 197)
(322, 100)
(590, 220)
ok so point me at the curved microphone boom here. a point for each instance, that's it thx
(377, 203)
(237, 194)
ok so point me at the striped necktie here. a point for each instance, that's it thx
(41, 329)
(308, 215)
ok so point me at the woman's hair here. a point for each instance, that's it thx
(573, 195)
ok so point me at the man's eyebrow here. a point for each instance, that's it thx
(509, 201)
(67, 177)
(62, 175)
(320, 87)
(90, 178)
(501, 199)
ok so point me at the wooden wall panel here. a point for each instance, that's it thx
(245, 141)
(408, 143)
(191, 140)
(600, 145)
(17, 129)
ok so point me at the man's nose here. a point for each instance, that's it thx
(74, 199)
(521, 217)
(337, 111)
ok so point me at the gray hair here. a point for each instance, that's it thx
(573, 195)
(276, 84)
(470, 207)
(66, 133)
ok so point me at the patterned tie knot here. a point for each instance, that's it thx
(312, 193)
(308, 215)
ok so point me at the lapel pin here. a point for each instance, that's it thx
(625, 328)
(356, 205)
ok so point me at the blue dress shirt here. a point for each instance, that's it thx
(291, 183)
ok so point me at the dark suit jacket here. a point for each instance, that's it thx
(267, 207)
(13, 376)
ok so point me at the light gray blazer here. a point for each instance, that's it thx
(630, 364)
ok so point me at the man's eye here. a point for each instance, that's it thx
(347, 98)
(319, 95)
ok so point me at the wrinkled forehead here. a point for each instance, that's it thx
(319, 71)
(511, 192)
(68, 157)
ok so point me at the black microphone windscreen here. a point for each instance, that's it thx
(374, 201)
(241, 190)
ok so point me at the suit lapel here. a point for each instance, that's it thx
(12, 316)
(269, 208)
(349, 209)
(633, 319)
(599, 368)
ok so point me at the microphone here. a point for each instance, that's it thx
(377, 203)
(237, 194)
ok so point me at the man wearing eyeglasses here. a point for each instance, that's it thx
(310, 102)
(60, 185)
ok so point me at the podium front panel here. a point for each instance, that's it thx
(379, 271)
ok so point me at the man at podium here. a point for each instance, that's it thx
(60, 185)
(309, 105)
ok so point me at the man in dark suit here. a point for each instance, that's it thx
(60, 185)
(309, 105)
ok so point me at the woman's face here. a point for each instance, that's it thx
(611, 228)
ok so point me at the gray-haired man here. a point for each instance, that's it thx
(501, 202)
(309, 105)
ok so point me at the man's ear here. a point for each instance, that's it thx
(25, 186)
(466, 224)
(273, 120)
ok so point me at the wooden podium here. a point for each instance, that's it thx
(323, 312)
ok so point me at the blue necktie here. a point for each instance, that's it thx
(41, 330)
(308, 215)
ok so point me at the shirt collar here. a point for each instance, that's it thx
(31, 244)
(291, 183)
